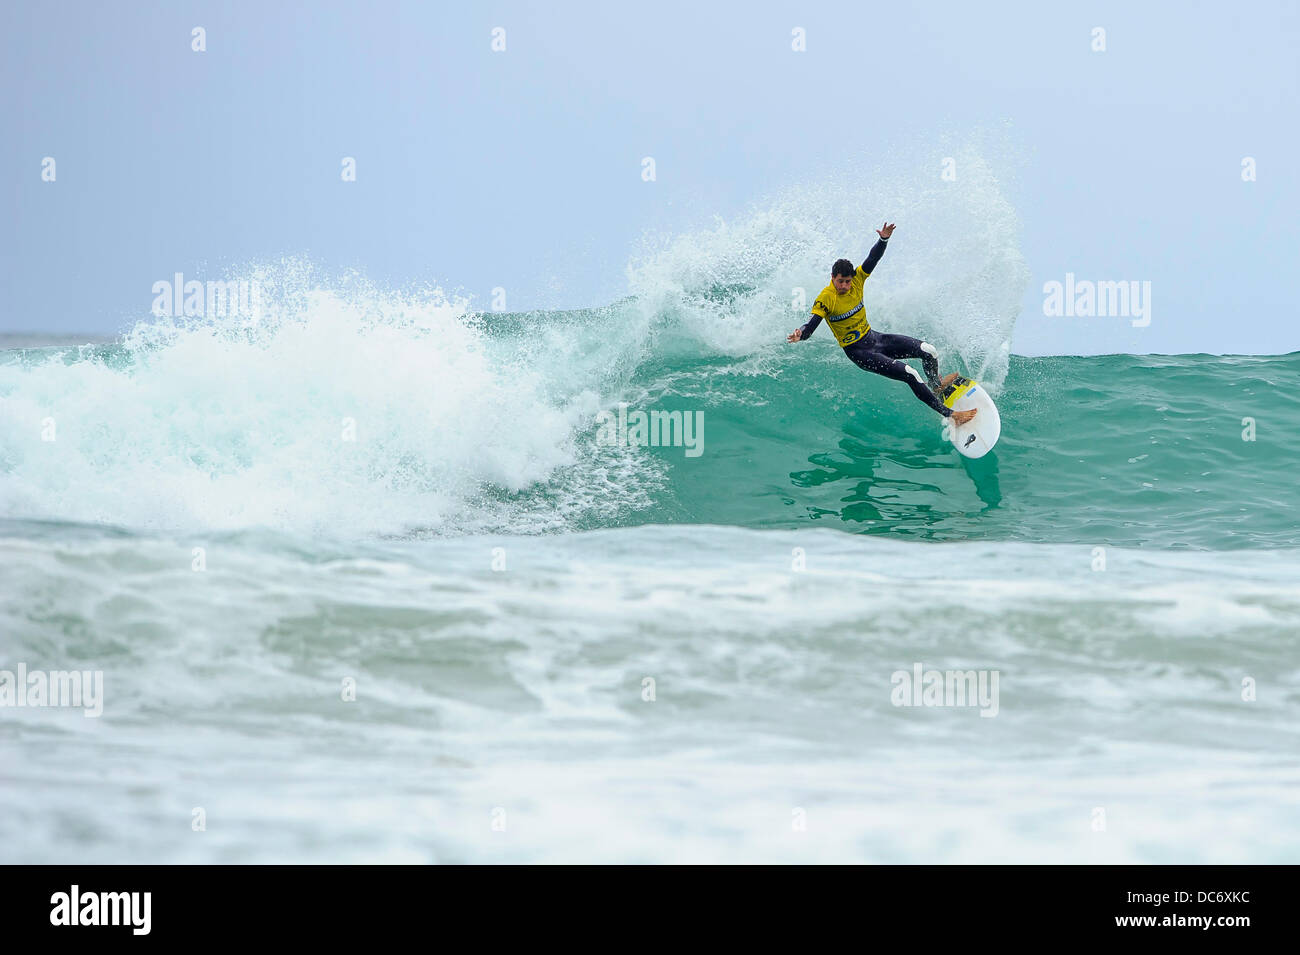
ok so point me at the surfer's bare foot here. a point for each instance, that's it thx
(949, 379)
(961, 417)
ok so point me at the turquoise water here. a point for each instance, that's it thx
(1187, 451)
(1119, 450)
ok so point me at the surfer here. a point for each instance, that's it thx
(840, 303)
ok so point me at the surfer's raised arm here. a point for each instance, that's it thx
(877, 250)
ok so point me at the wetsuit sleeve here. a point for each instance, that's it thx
(819, 312)
(874, 255)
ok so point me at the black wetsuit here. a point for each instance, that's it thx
(880, 353)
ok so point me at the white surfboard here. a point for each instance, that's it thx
(977, 437)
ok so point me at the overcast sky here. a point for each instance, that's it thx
(472, 164)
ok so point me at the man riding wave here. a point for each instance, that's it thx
(840, 304)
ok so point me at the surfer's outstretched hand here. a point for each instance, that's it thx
(886, 230)
(795, 336)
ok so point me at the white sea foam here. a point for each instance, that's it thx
(523, 689)
(342, 411)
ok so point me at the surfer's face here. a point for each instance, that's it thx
(842, 282)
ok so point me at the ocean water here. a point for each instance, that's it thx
(365, 582)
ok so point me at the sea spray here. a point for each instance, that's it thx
(954, 273)
(329, 412)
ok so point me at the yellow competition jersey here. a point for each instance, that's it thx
(844, 312)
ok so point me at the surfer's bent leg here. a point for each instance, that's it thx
(901, 346)
(881, 364)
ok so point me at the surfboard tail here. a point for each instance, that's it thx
(955, 390)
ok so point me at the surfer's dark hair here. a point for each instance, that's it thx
(842, 267)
